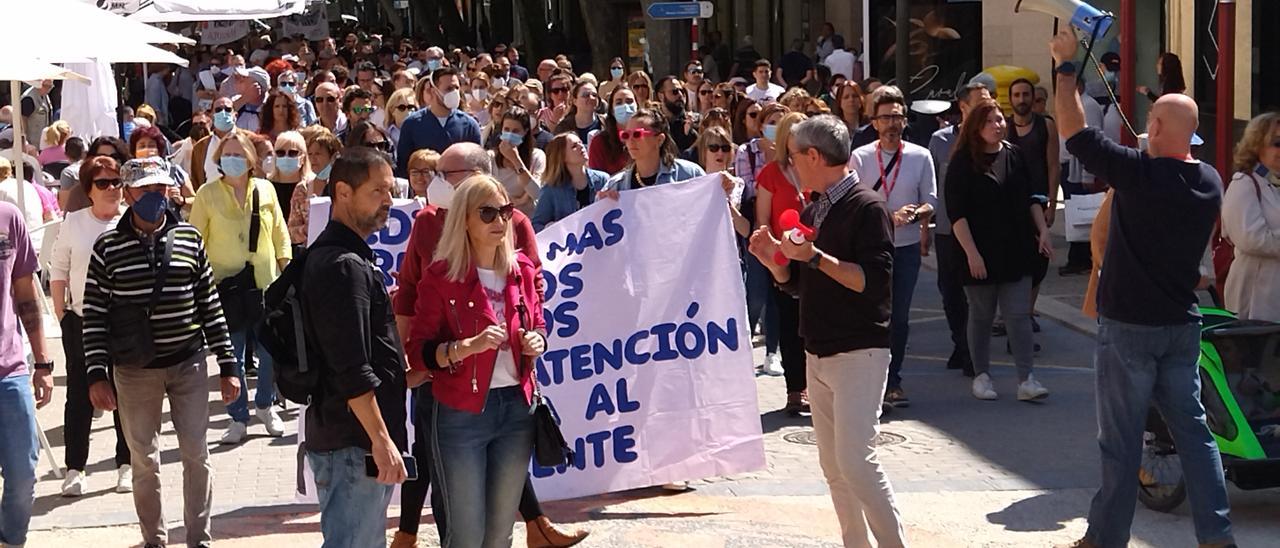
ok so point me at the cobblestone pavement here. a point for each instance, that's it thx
(967, 473)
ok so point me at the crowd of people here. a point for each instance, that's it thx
(170, 234)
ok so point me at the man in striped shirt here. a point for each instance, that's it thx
(187, 318)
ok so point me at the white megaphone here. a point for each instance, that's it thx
(1093, 22)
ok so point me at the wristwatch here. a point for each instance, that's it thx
(815, 261)
(1067, 67)
(44, 366)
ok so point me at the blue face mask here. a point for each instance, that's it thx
(770, 132)
(285, 164)
(514, 138)
(623, 113)
(616, 72)
(233, 166)
(323, 174)
(433, 65)
(224, 121)
(127, 128)
(151, 206)
(287, 87)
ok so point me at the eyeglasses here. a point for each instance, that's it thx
(103, 184)
(421, 173)
(445, 174)
(558, 91)
(695, 71)
(289, 153)
(489, 214)
(640, 86)
(892, 118)
(704, 92)
(719, 148)
(636, 133)
(384, 146)
(362, 109)
(402, 107)
(323, 100)
(223, 109)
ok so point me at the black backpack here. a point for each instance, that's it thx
(283, 334)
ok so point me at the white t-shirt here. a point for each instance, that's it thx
(841, 61)
(913, 183)
(765, 95)
(504, 368)
(73, 249)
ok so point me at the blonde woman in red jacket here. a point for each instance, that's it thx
(478, 327)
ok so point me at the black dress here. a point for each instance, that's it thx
(997, 203)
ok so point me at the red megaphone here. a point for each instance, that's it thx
(792, 228)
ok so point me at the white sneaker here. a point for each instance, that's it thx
(677, 486)
(1032, 390)
(124, 479)
(773, 364)
(75, 484)
(234, 434)
(271, 420)
(983, 388)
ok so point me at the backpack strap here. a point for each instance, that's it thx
(255, 222)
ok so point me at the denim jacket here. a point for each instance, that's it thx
(560, 201)
(667, 173)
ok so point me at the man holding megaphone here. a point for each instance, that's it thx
(1164, 210)
(838, 260)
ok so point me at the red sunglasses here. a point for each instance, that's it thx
(636, 133)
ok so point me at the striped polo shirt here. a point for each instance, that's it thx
(188, 315)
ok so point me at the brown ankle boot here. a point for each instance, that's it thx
(544, 534)
(404, 540)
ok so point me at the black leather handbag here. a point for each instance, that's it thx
(242, 300)
(549, 446)
(129, 338)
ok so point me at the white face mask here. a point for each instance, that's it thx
(439, 192)
(480, 93)
(452, 99)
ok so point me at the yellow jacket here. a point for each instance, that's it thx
(224, 224)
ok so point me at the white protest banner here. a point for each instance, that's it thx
(213, 33)
(388, 244)
(312, 24)
(649, 361)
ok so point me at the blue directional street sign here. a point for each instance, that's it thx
(679, 10)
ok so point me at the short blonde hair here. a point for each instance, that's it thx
(455, 246)
(56, 134)
(146, 112)
(1254, 140)
(294, 138)
(403, 96)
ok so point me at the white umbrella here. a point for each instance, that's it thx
(29, 70)
(183, 11)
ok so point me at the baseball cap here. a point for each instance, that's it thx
(260, 77)
(140, 172)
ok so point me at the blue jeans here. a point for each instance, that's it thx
(759, 305)
(906, 270)
(1137, 364)
(481, 463)
(353, 506)
(18, 457)
(266, 393)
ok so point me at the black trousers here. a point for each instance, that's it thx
(952, 264)
(77, 416)
(413, 494)
(789, 341)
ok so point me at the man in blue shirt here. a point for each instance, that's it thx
(440, 124)
(1164, 210)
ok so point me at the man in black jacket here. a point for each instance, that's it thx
(352, 332)
(842, 275)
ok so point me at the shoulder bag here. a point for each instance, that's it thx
(549, 446)
(129, 338)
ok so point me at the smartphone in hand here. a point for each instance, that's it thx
(410, 466)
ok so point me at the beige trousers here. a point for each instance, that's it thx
(845, 391)
(140, 394)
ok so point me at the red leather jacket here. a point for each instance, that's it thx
(450, 311)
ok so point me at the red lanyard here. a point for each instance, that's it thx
(889, 183)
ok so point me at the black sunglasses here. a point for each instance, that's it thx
(223, 109)
(384, 146)
(104, 184)
(719, 148)
(321, 100)
(488, 214)
(289, 153)
(402, 107)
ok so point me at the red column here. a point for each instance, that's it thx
(1128, 61)
(1224, 132)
